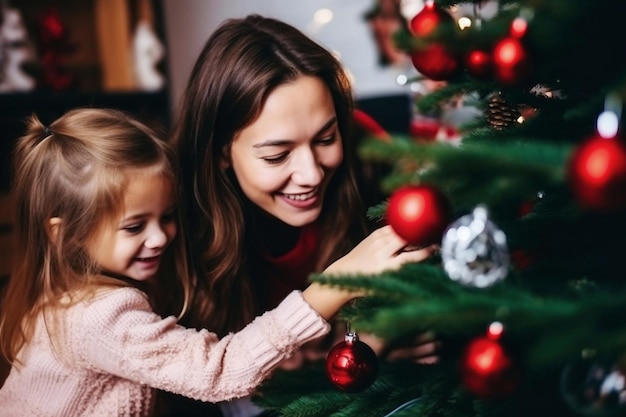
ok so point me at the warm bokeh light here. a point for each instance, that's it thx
(509, 51)
(402, 79)
(519, 27)
(464, 23)
(409, 8)
(495, 330)
(323, 16)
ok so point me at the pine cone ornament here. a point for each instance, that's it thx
(499, 114)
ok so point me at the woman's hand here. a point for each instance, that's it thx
(423, 348)
(382, 250)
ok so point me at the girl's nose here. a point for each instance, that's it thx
(157, 238)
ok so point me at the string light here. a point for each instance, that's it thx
(464, 22)
(607, 123)
(495, 330)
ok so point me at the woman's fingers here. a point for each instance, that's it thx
(426, 353)
(382, 250)
(415, 255)
(424, 349)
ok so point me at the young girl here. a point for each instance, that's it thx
(96, 217)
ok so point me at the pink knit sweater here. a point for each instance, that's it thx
(116, 351)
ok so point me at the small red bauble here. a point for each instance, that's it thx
(511, 62)
(521, 259)
(418, 214)
(478, 64)
(351, 365)
(428, 19)
(434, 61)
(487, 370)
(597, 173)
(424, 128)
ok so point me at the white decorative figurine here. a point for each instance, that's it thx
(147, 53)
(16, 51)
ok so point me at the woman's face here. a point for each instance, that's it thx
(285, 159)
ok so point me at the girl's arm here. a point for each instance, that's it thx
(117, 333)
(381, 250)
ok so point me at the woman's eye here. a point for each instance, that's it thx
(169, 217)
(276, 159)
(327, 141)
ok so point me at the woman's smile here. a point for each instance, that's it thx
(302, 201)
(301, 197)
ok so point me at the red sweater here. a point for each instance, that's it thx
(281, 275)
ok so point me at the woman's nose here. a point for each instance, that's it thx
(307, 170)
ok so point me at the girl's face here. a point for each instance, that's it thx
(285, 159)
(134, 244)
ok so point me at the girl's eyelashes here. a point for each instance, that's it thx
(133, 228)
(136, 225)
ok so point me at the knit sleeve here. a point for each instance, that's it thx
(118, 333)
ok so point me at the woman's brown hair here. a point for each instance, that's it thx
(240, 65)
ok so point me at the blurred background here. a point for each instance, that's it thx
(136, 55)
(340, 25)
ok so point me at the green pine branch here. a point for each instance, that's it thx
(565, 289)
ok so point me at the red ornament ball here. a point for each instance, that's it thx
(418, 214)
(426, 22)
(511, 62)
(351, 365)
(478, 64)
(487, 370)
(597, 173)
(424, 128)
(435, 61)
(52, 28)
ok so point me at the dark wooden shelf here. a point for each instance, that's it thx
(58, 102)
(15, 107)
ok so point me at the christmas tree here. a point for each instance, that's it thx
(529, 208)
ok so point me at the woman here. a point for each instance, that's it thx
(268, 169)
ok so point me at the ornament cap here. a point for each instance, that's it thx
(351, 337)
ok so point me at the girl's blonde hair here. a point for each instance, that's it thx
(77, 169)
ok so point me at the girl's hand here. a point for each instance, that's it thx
(382, 250)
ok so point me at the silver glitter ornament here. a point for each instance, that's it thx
(474, 250)
(595, 387)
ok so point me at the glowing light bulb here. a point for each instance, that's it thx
(495, 330)
(323, 16)
(464, 23)
(607, 124)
